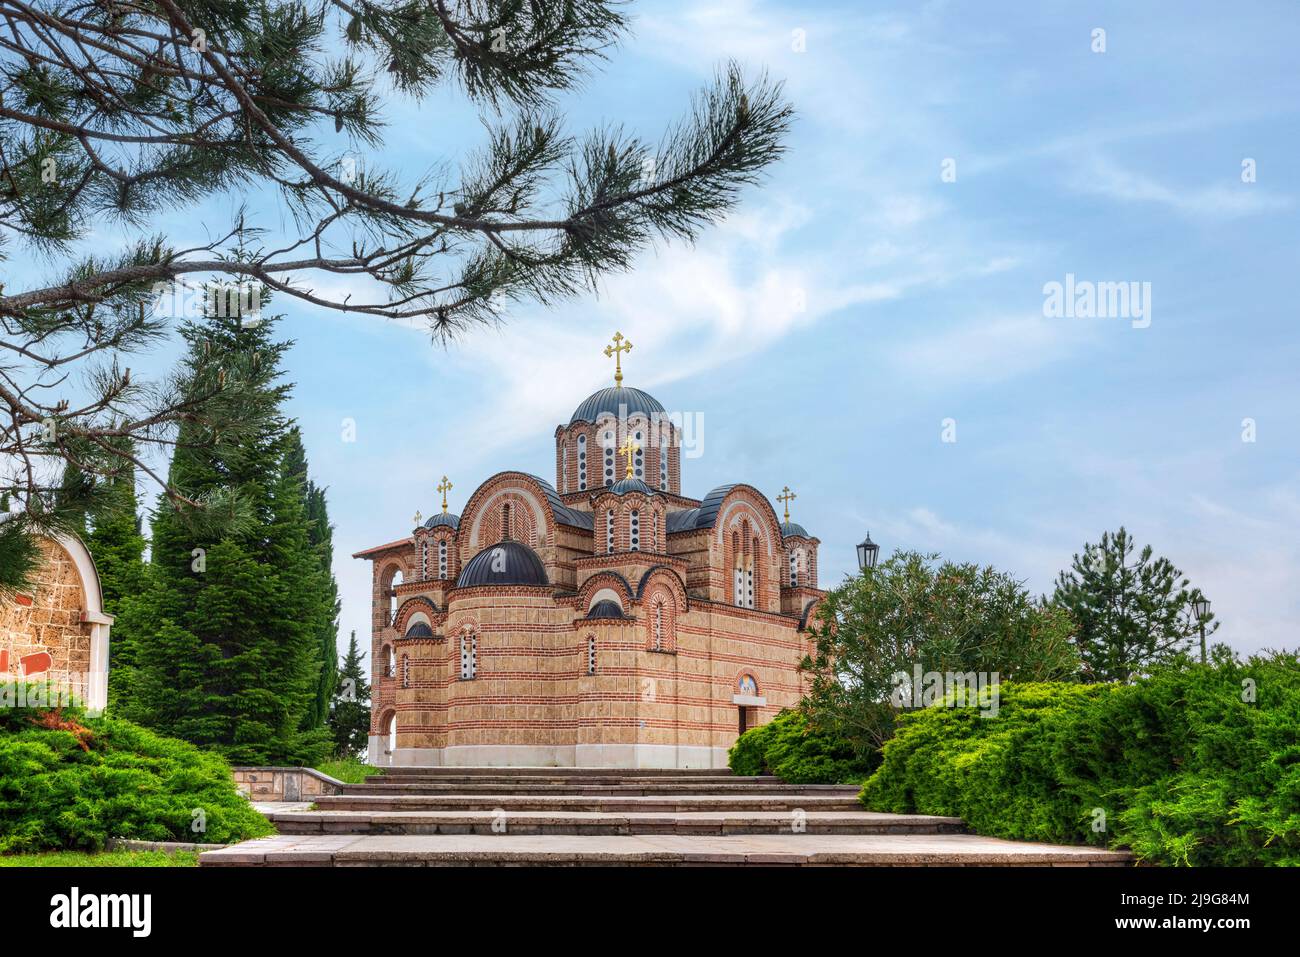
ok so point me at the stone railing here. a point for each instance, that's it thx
(284, 784)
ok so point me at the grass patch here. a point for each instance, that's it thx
(101, 859)
(350, 770)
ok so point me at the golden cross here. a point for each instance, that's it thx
(787, 498)
(616, 350)
(417, 518)
(444, 487)
(629, 448)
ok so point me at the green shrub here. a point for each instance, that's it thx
(349, 770)
(72, 782)
(787, 747)
(1183, 769)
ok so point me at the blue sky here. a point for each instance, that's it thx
(923, 298)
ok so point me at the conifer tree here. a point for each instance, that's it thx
(1130, 614)
(227, 635)
(321, 534)
(350, 710)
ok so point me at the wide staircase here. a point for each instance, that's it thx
(598, 816)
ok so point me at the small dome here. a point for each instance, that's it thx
(443, 518)
(623, 486)
(622, 401)
(420, 629)
(505, 563)
(793, 530)
(605, 609)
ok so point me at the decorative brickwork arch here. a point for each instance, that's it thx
(608, 582)
(531, 520)
(410, 609)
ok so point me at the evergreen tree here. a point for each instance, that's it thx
(1129, 614)
(227, 634)
(321, 534)
(349, 719)
(116, 541)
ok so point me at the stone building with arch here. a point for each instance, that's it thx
(606, 620)
(56, 635)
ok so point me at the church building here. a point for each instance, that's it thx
(605, 620)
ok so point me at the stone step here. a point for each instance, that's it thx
(632, 789)
(455, 770)
(607, 780)
(423, 850)
(597, 803)
(606, 823)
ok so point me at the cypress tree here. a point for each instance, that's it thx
(227, 635)
(321, 535)
(349, 719)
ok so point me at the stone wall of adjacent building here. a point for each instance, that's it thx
(47, 621)
(284, 784)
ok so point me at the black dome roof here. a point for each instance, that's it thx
(505, 563)
(623, 486)
(620, 401)
(443, 518)
(605, 609)
(793, 530)
(420, 629)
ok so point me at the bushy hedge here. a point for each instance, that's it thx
(1186, 768)
(788, 748)
(72, 782)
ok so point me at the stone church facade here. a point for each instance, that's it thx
(606, 620)
(57, 634)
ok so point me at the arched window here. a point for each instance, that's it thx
(392, 733)
(390, 661)
(442, 559)
(638, 457)
(794, 569)
(582, 463)
(564, 467)
(609, 531)
(505, 521)
(752, 583)
(591, 654)
(663, 464)
(738, 571)
(392, 595)
(468, 656)
(660, 633)
(654, 532)
(609, 442)
(634, 531)
(406, 671)
(424, 559)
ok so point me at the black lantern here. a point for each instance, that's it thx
(868, 551)
(1202, 609)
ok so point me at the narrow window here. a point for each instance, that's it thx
(442, 559)
(794, 569)
(582, 463)
(591, 654)
(638, 459)
(564, 467)
(659, 626)
(468, 656)
(663, 466)
(609, 531)
(406, 671)
(609, 458)
(634, 527)
(424, 559)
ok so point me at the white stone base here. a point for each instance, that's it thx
(580, 756)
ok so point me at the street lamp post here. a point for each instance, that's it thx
(1202, 609)
(868, 551)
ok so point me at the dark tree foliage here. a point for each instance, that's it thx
(349, 719)
(321, 536)
(112, 113)
(1130, 613)
(226, 640)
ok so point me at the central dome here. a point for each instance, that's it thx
(622, 401)
(505, 563)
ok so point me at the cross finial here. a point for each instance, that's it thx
(444, 487)
(629, 448)
(616, 349)
(417, 518)
(787, 497)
